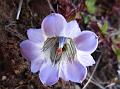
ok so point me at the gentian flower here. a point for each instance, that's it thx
(59, 50)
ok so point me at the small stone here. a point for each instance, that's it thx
(4, 78)
(17, 71)
(21, 82)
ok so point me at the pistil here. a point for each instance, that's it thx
(61, 42)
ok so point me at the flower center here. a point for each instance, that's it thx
(56, 47)
(61, 42)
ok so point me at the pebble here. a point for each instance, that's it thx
(4, 78)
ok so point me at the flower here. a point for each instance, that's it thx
(59, 50)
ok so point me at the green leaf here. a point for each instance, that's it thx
(86, 19)
(104, 28)
(118, 53)
(90, 4)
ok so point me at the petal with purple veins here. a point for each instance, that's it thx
(54, 24)
(30, 50)
(85, 59)
(72, 29)
(87, 41)
(36, 64)
(36, 35)
(74, 71)
(48, 74)
(61, 72)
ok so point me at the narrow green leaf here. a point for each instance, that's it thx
(118, 52)
(86, 19)
(90, 4)
(104, 28)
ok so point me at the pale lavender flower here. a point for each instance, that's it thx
(59, 50)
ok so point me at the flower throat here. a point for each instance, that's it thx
(57, 46)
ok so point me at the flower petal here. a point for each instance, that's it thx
(48, 74)
(85, 59)
(72, 29)
(30, 50)
(54, 24)
(36, 35)
(61, 72)
(62, 75)
(74, 71)
(87, 41)
(36, 64)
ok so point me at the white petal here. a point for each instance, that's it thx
(74, 71)
(87, 41)
(54, 24)
(85, 59)
(36, 35)
(36, 64)
(72, 29)
(30, 50)
(48, 74)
